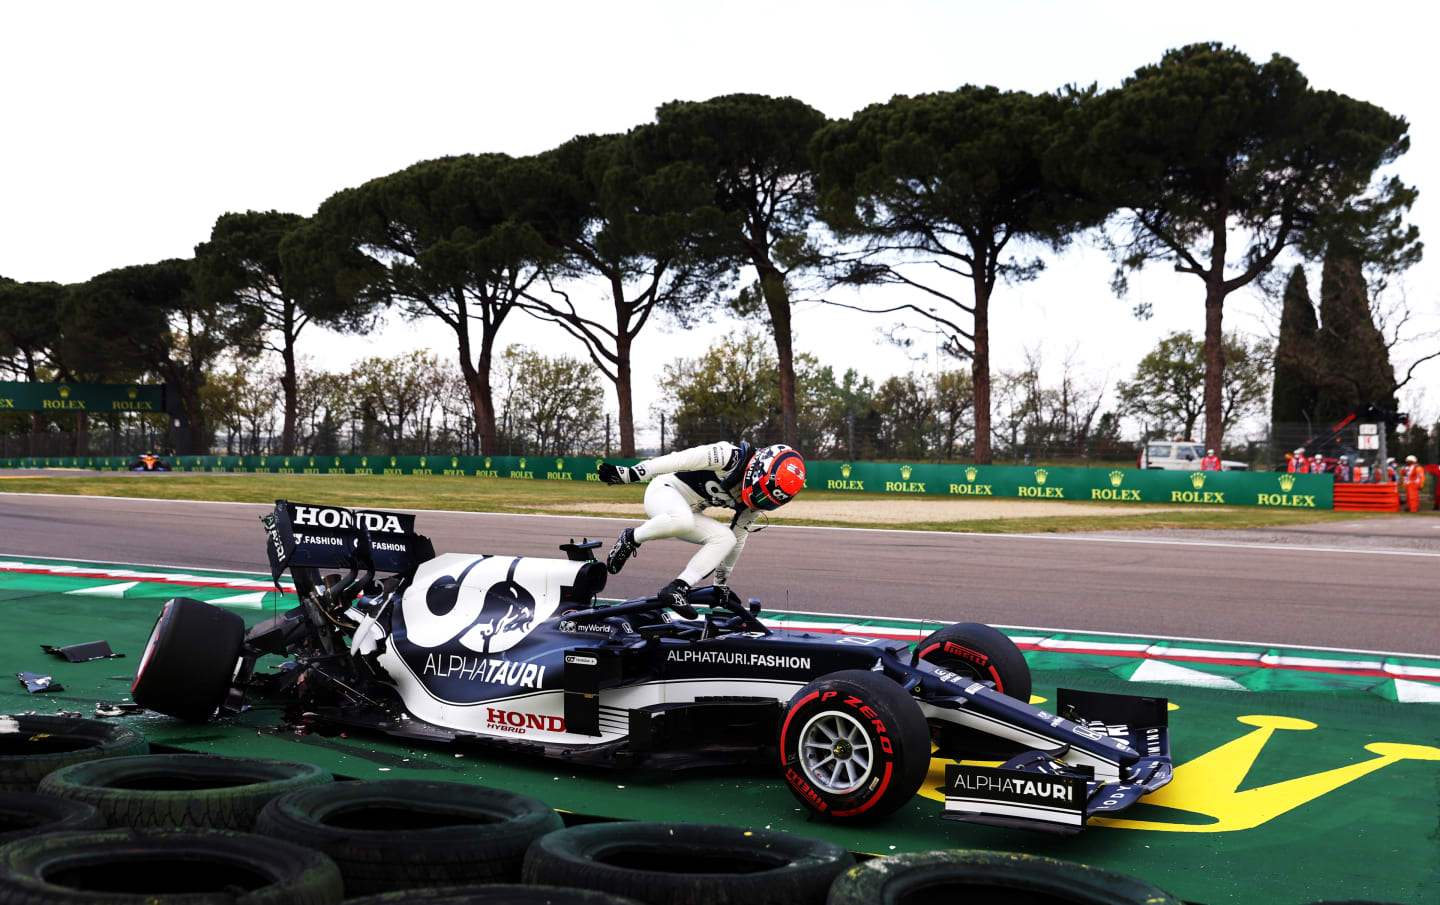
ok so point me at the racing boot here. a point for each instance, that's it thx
(625, 547)
(673, 596)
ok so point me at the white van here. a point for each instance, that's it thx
(1180, 455)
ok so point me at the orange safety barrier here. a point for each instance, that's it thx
(1367, 497)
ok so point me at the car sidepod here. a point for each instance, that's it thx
(473, 645)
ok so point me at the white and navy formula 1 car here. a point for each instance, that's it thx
(517, 651)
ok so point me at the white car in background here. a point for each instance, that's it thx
(1180, 455)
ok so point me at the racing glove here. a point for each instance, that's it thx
(617, 474)
(673, 596)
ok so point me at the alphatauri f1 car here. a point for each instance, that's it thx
(519, 651)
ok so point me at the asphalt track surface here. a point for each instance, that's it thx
(1321, 591)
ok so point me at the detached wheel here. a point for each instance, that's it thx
(975, 876)
(853, 746)
(32, 747)
(976, 651)
(159, 867)
(181, 790)
(686, 863)
(398, 834)
(188, 663)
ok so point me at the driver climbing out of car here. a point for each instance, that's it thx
(740, 477)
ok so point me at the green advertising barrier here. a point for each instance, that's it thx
(1207, 488)
(81, 397)
(1213, 488)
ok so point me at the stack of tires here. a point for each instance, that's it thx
(87, 815)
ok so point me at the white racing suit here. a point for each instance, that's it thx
(681, 486)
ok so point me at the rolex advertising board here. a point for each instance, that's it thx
(1126, 485)
(81, 397)
(1206, 488)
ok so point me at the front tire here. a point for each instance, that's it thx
(981, 652)
(853, 746)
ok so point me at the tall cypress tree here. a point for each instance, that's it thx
(1293, 395)
(1354, 359)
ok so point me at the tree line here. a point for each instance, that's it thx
(1208, 161)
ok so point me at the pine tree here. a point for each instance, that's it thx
(1292, 397)
(1355, 362)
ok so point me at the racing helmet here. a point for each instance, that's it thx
(773, 478)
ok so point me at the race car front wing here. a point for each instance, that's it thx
(1038, 790)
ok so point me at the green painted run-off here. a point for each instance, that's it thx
(1345, 784)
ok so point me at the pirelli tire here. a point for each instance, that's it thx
(973, 876)
(495, 894)
(688, 863)
(399, 834)
(981, 652)
(26, 814)
(182, 790)
(32, 747)
(853, 746)
(187, 666)
(976, 651)
(164, 867)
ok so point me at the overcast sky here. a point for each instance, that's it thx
(129, 127)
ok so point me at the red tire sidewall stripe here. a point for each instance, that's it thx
(994, 675)
(785, 726)
(874, 796)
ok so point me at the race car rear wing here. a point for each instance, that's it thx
(302, 535)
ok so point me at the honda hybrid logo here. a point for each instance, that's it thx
(317, 517)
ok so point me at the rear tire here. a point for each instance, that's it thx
(190, 660)
(853, 746)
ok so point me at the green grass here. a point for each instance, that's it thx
(468, 494)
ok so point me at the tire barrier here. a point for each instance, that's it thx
(397, 834)
(164, 867)
(853, 746)
(690, 863)
(181, 790)
(961, 876)
(26, 814)
(32, 747)
(495, 894)
(188, 663)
